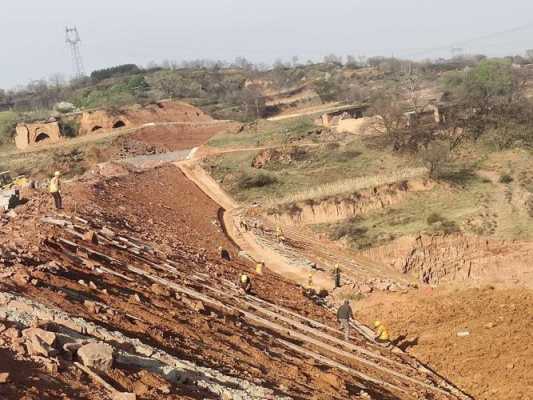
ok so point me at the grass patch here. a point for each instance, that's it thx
(263, 133)
(330, 168)
(350, 186)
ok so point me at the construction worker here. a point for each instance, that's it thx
(55, 190)
(310, 279)
(14, 199)
(224, 254)
(382, 335)
(259, 267)
(279, 234)
(245, 283)
(344, 315)
(337, 276)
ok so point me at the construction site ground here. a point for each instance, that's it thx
(138, 255)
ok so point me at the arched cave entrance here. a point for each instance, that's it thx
(119, 124)
(96, 128)
(41, 136)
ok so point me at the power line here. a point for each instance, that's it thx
(463, 43)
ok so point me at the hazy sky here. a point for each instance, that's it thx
(132, 31)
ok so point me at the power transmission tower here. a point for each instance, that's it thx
(72, 37)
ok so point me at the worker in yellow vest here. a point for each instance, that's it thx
(382, 335)
(55, 190)
(245, 283)
(279, 234)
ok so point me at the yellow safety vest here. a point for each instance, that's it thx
(382, 333)
(54, 185)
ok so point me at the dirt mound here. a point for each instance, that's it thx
(339, 208)
(495, 360)
(281, 156)
(165, 111)
(179, 137)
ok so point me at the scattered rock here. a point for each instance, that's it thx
(96, 355)
(21, 278)
(123, 396)
(92, 285)
(108, 233)
(4, 377)
(38, 347)
(12, 333)
(91, 236)
(160, 290)
(91, 306)
(140, 389)
(135, 298)
(154, 381)
(365, 289)
(47, 337)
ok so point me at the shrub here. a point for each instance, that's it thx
(439, 223)
(506, 178)
(69, 128)
(349, 229)
(8, 122)
(434, 218)
(253, 181)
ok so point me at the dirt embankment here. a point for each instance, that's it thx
(495, 360)
(179, 137)
(337, 209)
(162, 112)
(436, 259)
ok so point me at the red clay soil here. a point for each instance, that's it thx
(495, 362)
(175, 214)
(179, 137)
(180, 220)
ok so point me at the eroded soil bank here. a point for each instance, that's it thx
(469, 260)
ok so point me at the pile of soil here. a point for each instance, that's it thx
(179, 137)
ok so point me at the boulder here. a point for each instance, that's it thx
(38, 347)
(12, 333)
(96, 355)
(91, 236)
(47, 337)
(4, 377)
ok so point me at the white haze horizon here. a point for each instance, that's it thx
(139, 32)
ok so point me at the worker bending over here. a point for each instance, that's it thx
(55, 190)
(344, 315)
(382, 335)
(245, 283)
(224, 254)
